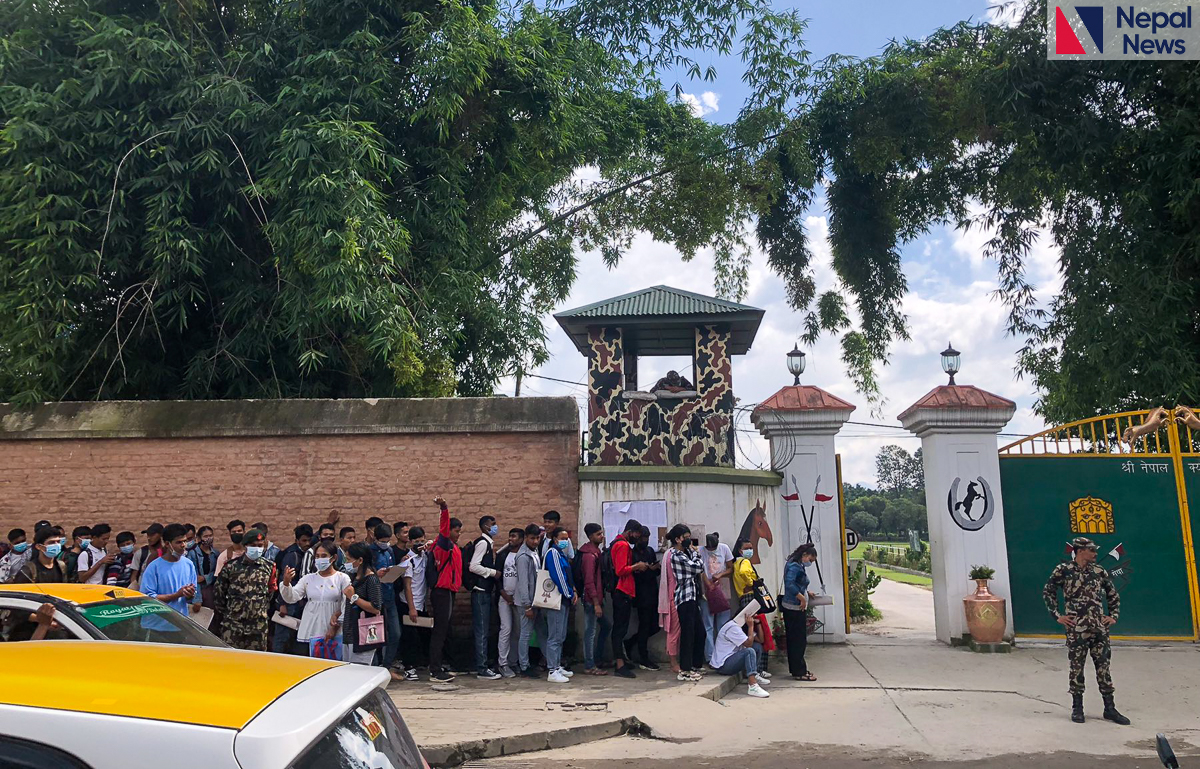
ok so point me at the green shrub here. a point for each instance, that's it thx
(982, 572)
(862, 583)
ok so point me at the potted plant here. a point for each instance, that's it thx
(986, 620)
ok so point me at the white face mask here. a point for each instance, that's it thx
(322, 563)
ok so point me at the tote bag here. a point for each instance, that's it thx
(545, 594)
(372, 633)
(326, 648)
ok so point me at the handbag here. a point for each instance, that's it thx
(326, 648)
(545, 594)
(766, 601)
(717, 600)
(372, 633)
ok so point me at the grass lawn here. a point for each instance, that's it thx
(899, 576)
(857, 552)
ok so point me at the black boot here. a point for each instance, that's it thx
(1111, 713)
(1077, 708)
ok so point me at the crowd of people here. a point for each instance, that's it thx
(330, 594)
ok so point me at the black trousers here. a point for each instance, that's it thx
(622, 608)
(795, 624)
(691, 636)
(443, 608)
(647, 627)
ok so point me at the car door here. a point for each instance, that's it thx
(15, 623)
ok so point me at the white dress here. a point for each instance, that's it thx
(325, 600)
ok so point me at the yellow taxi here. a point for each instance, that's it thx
(96, 612)
(111, 705)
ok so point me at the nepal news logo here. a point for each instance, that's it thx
(1139, 33)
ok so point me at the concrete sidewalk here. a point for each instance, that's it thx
(472, 719)
(927, 702)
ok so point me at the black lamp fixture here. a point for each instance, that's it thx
(795, 363)
(951, 361)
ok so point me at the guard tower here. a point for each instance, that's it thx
(676, 421)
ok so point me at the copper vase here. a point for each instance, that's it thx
(986, 619)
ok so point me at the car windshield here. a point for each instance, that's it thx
(146, 621)
(371, 736)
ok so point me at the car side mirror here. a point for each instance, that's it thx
(1165, 754)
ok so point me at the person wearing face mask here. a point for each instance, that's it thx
(363, 596)
(793, 603)
(119, 572)
(172, 578)
(189, 538)
(81, 539)
(19, 554)
(94, 558)
(236, 530)
(44, 566)
(204, 557)
(446, 560)
(483, 567)
(149, 551)
(322, 592)
(243, 595)
(510, 614)
(744, 573)
(384, 560)
(558, 564)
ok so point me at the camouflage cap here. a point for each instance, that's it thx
(1083, 543)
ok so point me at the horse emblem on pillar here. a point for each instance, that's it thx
(757, 529)
(975, 508)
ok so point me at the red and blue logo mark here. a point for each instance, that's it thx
(1065, 39)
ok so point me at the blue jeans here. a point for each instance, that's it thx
(391, 630)
(744, 661)
(712, 623)
(556, 628)
(593, 642)
(481, 624)
(523, 641)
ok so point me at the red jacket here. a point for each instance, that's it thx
(447, 557)
(593, 587)
(622, 558)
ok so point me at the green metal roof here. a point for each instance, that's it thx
(662, 320)
(657, 300)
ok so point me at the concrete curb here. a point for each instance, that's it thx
(457, 753)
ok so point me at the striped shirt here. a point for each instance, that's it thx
(686, 565)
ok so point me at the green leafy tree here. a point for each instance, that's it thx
(249, 199)
(973, 126)
(899, 473)
(864, 523)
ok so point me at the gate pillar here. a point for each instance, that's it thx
(957, 425)
(800, 422)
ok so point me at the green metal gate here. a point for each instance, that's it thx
(1130, 496)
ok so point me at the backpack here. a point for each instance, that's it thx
(577, 571)
(431, 569)
(608, 572)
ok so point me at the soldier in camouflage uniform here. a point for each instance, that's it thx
(243, 595)
(1085, 586)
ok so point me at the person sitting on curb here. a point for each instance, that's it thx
(735, 651)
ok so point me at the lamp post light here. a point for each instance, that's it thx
(795, 363)
(951, 361)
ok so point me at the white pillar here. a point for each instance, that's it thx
(958, 426)
(801, 422)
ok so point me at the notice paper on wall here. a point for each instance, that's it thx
(651, 513)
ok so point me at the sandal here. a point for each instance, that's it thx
(806, 677)
(596, 672)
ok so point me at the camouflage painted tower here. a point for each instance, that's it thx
(676, 421)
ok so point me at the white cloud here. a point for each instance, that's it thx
(702, 105)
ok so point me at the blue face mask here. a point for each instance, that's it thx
(322, 563)
(747, 553)
(53, 551)
(21, 548)
(254, 552)
(84, 543)
(126, 549)
(563, 544)
(494, 530)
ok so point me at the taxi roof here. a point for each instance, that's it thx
(71, 591)
(237, 684)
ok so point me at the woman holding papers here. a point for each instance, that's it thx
(794, 605)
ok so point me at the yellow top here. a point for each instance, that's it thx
(236, 685)
(743, 576)
(72, 591)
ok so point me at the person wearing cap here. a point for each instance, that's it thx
(1085, 586)
(149, 551)
(243, 595)
(736, 650)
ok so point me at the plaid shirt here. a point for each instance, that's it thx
(686, 565)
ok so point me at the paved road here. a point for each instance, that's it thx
(907, 613)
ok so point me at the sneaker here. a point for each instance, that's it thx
(411, 675)
(441, 677)
(488, 675)
(765, 674)
(763, 681)
(557, 677)
(649, 666)
(686, 675)
(507, 672)
(757, 691)
(625, 671)
(567, 673)
(530, 673)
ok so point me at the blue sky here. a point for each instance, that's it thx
(950, 282)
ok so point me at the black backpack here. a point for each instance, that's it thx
(577, 571)
(608, 572)
(431, 570)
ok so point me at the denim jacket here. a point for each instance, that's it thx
(795, 582)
